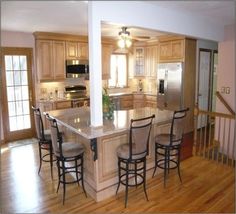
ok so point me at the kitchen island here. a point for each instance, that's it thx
(101, 142)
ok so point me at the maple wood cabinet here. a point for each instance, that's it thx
(139, 100)
(50, 60)
(76, 50)
(151, 57)
(171, 50)
(139, 61)
(106, 59)
(126, 102)
(151, 101)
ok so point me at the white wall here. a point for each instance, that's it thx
(147, 15)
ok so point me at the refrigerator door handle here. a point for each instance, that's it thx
(166, 88)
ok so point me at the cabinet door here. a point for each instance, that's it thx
(139, 61)
(83, 50)
(177, 49)
(172, 51)
(165, 51)
(44, 60)
(151, 61)
(59, 60)
(126, 102)
(63, 104)
(71, 50)
(106, 60)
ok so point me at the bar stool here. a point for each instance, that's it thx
(168, 146)
(132, 156)
(44, 141)
(69, 157)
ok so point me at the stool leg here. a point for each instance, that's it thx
(51, 159)
(165, 167)
(178, 164)
(144, 178)
(40, 158)
(155, 160)
(76, 172)
(82, 175)
(58, 172)
(126, 182)
(64, 180)
(135, 174)
(118, 176)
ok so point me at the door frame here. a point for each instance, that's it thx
(22, 134)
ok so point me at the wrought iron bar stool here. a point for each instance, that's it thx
(69, 157)
(44, 141)
(168, 146)
(132, 156)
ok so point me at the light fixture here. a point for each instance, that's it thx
(125, 40)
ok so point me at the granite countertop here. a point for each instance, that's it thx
(61, 99)
(78, 120)
(42, 100)
(131, 93)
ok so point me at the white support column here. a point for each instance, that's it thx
(95, 74)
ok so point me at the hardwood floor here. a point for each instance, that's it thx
(207, 188)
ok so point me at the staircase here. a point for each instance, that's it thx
(214, 138)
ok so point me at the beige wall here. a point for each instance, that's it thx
(226, 68)
(226, 78)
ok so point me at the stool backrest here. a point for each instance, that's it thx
(139, 136)
(55, 136)
(38, 123)
(177, 126)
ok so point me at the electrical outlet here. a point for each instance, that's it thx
(227, 90)
(222, 91)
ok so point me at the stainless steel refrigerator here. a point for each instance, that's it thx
(169, 85)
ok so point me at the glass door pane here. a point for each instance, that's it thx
(18, 99)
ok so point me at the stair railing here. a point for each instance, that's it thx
(215, 138)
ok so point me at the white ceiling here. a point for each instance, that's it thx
(71, 16)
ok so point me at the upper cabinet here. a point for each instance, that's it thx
(50, 60)
(76, 50)
(52, 50)
(139, 61)
(170, 51)
(151, 56)
(106, 59)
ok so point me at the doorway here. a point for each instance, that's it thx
(207, 77)
(17, 93)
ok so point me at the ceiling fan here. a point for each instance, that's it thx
(125, 32)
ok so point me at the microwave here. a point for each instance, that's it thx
(76, 68)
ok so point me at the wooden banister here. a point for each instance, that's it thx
(218, 95)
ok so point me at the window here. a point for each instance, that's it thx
(118, 71)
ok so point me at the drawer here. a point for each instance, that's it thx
(127, 97)
(151, 98)
(63, 104)
(138, 96)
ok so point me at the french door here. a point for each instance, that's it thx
(17, 93)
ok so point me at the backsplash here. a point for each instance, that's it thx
(56, 89)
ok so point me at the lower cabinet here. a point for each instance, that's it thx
(139, 100)
(151, 101)
(126, 102)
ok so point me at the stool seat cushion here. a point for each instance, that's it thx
(47, 134)
(164, 140)
(71, 149)
(123, 152)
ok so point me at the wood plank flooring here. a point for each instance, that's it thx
(207, 187)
